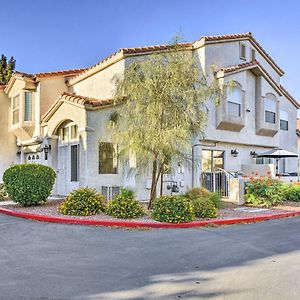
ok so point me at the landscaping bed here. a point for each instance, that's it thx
(228, 211)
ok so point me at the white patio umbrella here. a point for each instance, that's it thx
(277, 153)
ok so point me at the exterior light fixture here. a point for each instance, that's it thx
(46, 151)
(253, 154)
(234, 153)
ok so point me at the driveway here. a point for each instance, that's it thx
(52, 261)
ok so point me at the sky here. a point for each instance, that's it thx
(46, 35)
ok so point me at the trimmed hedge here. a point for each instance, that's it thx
(83, 202)
(29, 184)
(204, 208)
(124, 206)
(173, 209)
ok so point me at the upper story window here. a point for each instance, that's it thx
(270, 109)
(108, 161)
(253, 56)
(28, 107)
(242, 51)
(16, 109)
(234, 101)
(284, 120)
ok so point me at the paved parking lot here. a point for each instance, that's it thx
(53, 261)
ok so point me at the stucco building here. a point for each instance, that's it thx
(59, 118)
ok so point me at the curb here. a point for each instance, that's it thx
(118, 223)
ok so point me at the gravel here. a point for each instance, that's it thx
(226, 212)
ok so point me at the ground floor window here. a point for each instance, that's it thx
(212, 159)
(108, 161)
(75, 163)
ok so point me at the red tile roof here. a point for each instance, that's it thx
(86, 101)
(240, 66)
(154, 48)
(59, 73)
(247, 35)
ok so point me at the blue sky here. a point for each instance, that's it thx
(63, 34)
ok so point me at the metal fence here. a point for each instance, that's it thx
(217, 181)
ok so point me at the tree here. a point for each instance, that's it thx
(6, 69)
(163, 108)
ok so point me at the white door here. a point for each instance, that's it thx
(68, 168)
(62, 172)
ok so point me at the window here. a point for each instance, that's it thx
(74, 162)
(108, 162)
(264, 160)
(74, 132)
(270, 110)
(28, 107)
(16, 109)
(284, 120)
(253, 54)
(243, 51)
(234, 101)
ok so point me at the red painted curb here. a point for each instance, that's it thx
(145, 224)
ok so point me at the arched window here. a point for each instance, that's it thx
(270, 108)
(68, 132)
(234, 100)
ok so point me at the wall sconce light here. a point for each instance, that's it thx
(46, 151)
(234, 153)
(253, 154)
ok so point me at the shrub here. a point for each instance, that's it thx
(173, 209)
(124, 206)
(29, 184)
(197, 192)
(292, 193)
(204, 208)
(3, 193)
(205, 194)
(83, 202)
(264, 192)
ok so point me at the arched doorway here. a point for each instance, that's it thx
(68, 153)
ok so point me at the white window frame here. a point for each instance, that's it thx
(232, 98)
(270, 106)
(243, 46)
(25, 107)
(15, 109)
(284, 116)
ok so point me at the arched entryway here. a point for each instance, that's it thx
(68, 153)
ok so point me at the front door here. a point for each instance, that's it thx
(68, 168)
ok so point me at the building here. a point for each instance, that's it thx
(59, 118)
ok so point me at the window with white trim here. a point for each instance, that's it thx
(242, 51)
(16, 109)
(28, 106)
(234, 101)
(108, 160)
(270, 110)
(284, 120)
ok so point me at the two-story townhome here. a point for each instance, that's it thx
(60, 118)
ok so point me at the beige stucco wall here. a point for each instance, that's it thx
(100, 85)
(8, 148)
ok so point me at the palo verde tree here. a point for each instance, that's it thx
(6, 69)
(163, 100)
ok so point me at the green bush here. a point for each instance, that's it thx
(29, 184)
(204, 208)
(205, 194)
(83, 202)
(124, 206)
(173, 209)
(3, 193)
(264, 192)
(292, 192)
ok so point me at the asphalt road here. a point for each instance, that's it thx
(52, 261)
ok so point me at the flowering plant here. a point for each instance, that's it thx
(264, 191)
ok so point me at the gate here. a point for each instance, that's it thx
(217, 181)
